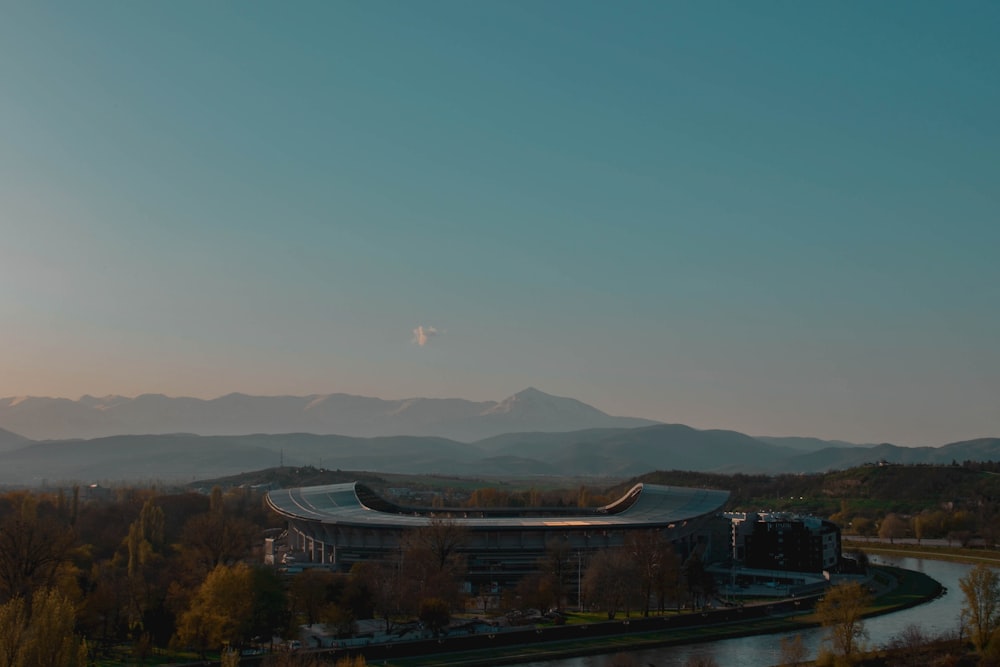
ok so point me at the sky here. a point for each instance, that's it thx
(775, 217)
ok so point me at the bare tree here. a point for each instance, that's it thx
(610, 581)
(654, 560)
(433, 561)
(556, 567)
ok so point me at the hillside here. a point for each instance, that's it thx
(600, 452)
(870, 489)
(10, 441)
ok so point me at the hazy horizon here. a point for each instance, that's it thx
(777, 219)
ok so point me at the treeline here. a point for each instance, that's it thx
(155, 571)
(960, 502)
(132, 566)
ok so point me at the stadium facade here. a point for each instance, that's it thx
(341, 524)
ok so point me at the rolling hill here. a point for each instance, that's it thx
(609, 453)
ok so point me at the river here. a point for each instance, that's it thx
(936, 617)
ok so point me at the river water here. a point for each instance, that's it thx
(936, 617)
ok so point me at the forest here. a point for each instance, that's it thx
(149, 570)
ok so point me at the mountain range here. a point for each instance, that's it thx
(528, 434)
(42, 418)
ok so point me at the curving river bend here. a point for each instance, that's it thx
(935, 617)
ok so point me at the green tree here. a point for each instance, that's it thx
(981, 587)
(840, 612)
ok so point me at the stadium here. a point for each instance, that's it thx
(341, 524)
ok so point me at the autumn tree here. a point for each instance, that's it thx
(40, 634)
(435, 614)
(892, 527)
(144, 545)
(221, 610)
(841, 612)
(33, 548)
(489, 496)
(981, 613)
(793, 651)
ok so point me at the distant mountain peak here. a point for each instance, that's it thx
(533, 399)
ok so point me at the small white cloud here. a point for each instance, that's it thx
(422, 334)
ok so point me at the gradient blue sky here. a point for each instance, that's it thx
(777, 217)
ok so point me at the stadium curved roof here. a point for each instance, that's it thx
(352, 504)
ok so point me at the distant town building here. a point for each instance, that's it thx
(783, 541)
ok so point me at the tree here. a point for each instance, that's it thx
(143, 544)
(892, 527)
(377, 588)
(654, 561)
(840, 612)
(793, 651)
(33, 548)
(311, 591)
(556, 567)
(432, 559)
(610, 581)
(981, 587)
(435, 614)
(214, 538)
(863, 526)
(908, 646)
(221, 611)
(700, 583)
(42, 636)
(669, 581)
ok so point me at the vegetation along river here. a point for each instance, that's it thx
(936, 617)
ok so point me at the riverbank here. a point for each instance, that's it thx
(969, 555)
(907, 589)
